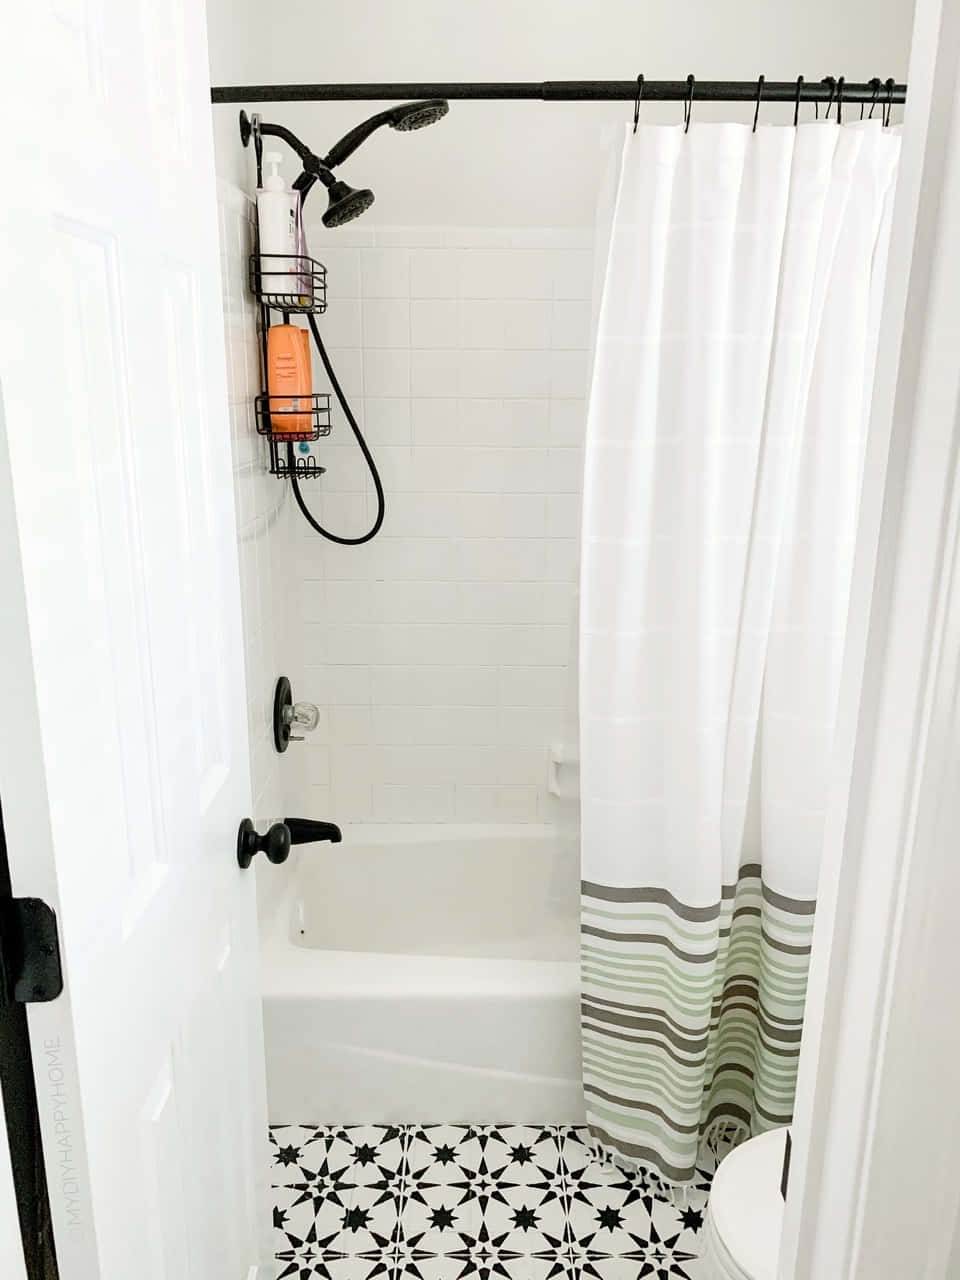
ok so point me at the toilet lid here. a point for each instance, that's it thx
(746, 1205)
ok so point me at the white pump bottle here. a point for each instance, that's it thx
(277, 222)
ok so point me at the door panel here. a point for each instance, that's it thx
(124, 758)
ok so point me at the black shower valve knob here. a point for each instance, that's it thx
(275, 843)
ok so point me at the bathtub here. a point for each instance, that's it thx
(425, 973)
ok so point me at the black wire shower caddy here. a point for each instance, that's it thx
(289, 419)
(269, 270)
(284, 421)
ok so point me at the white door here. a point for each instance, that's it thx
(123, 769)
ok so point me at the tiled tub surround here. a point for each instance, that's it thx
(400, 983)
(446, 1202)
(441, 652)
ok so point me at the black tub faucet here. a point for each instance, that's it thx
(306, 831)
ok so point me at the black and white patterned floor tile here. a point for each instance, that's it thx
(449, 1202)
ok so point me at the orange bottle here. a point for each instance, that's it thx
(289, 380)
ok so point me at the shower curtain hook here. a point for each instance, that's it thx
(831, 83)
(840, 101)
(889, 108)
(636, 103)
(875, 84)
(756, 110)
(688, 105)
(796, 102)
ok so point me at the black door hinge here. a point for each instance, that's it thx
(30, 971)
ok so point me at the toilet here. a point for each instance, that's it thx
(745, 1212)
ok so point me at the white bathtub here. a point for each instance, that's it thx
(426, 973)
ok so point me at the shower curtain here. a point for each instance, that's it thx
(729, 401)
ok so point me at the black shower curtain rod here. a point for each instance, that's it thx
(881, 92)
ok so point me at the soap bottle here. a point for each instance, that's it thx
(277, 223)
(289, 381)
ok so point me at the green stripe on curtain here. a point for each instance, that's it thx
(691, 1016)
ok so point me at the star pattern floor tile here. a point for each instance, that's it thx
(480, 1202)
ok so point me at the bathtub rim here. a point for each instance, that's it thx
(288, 970)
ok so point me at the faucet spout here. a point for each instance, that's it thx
(306, 831)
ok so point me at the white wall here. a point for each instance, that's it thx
(441, 653)
(440, 650)
(233, 50)
(260, 503)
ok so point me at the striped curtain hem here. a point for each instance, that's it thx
(691, 1016)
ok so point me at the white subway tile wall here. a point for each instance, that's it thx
(262, 536)
(441, 652)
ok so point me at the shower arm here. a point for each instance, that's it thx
(311, 162)
(314, 168)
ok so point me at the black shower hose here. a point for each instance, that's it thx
(368, 458)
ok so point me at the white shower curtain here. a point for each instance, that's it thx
(731, 385)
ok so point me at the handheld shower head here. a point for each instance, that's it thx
(405, 118)
(417, 115)
(345, 204)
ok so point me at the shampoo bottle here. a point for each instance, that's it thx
(277, 223)
(289, 380)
